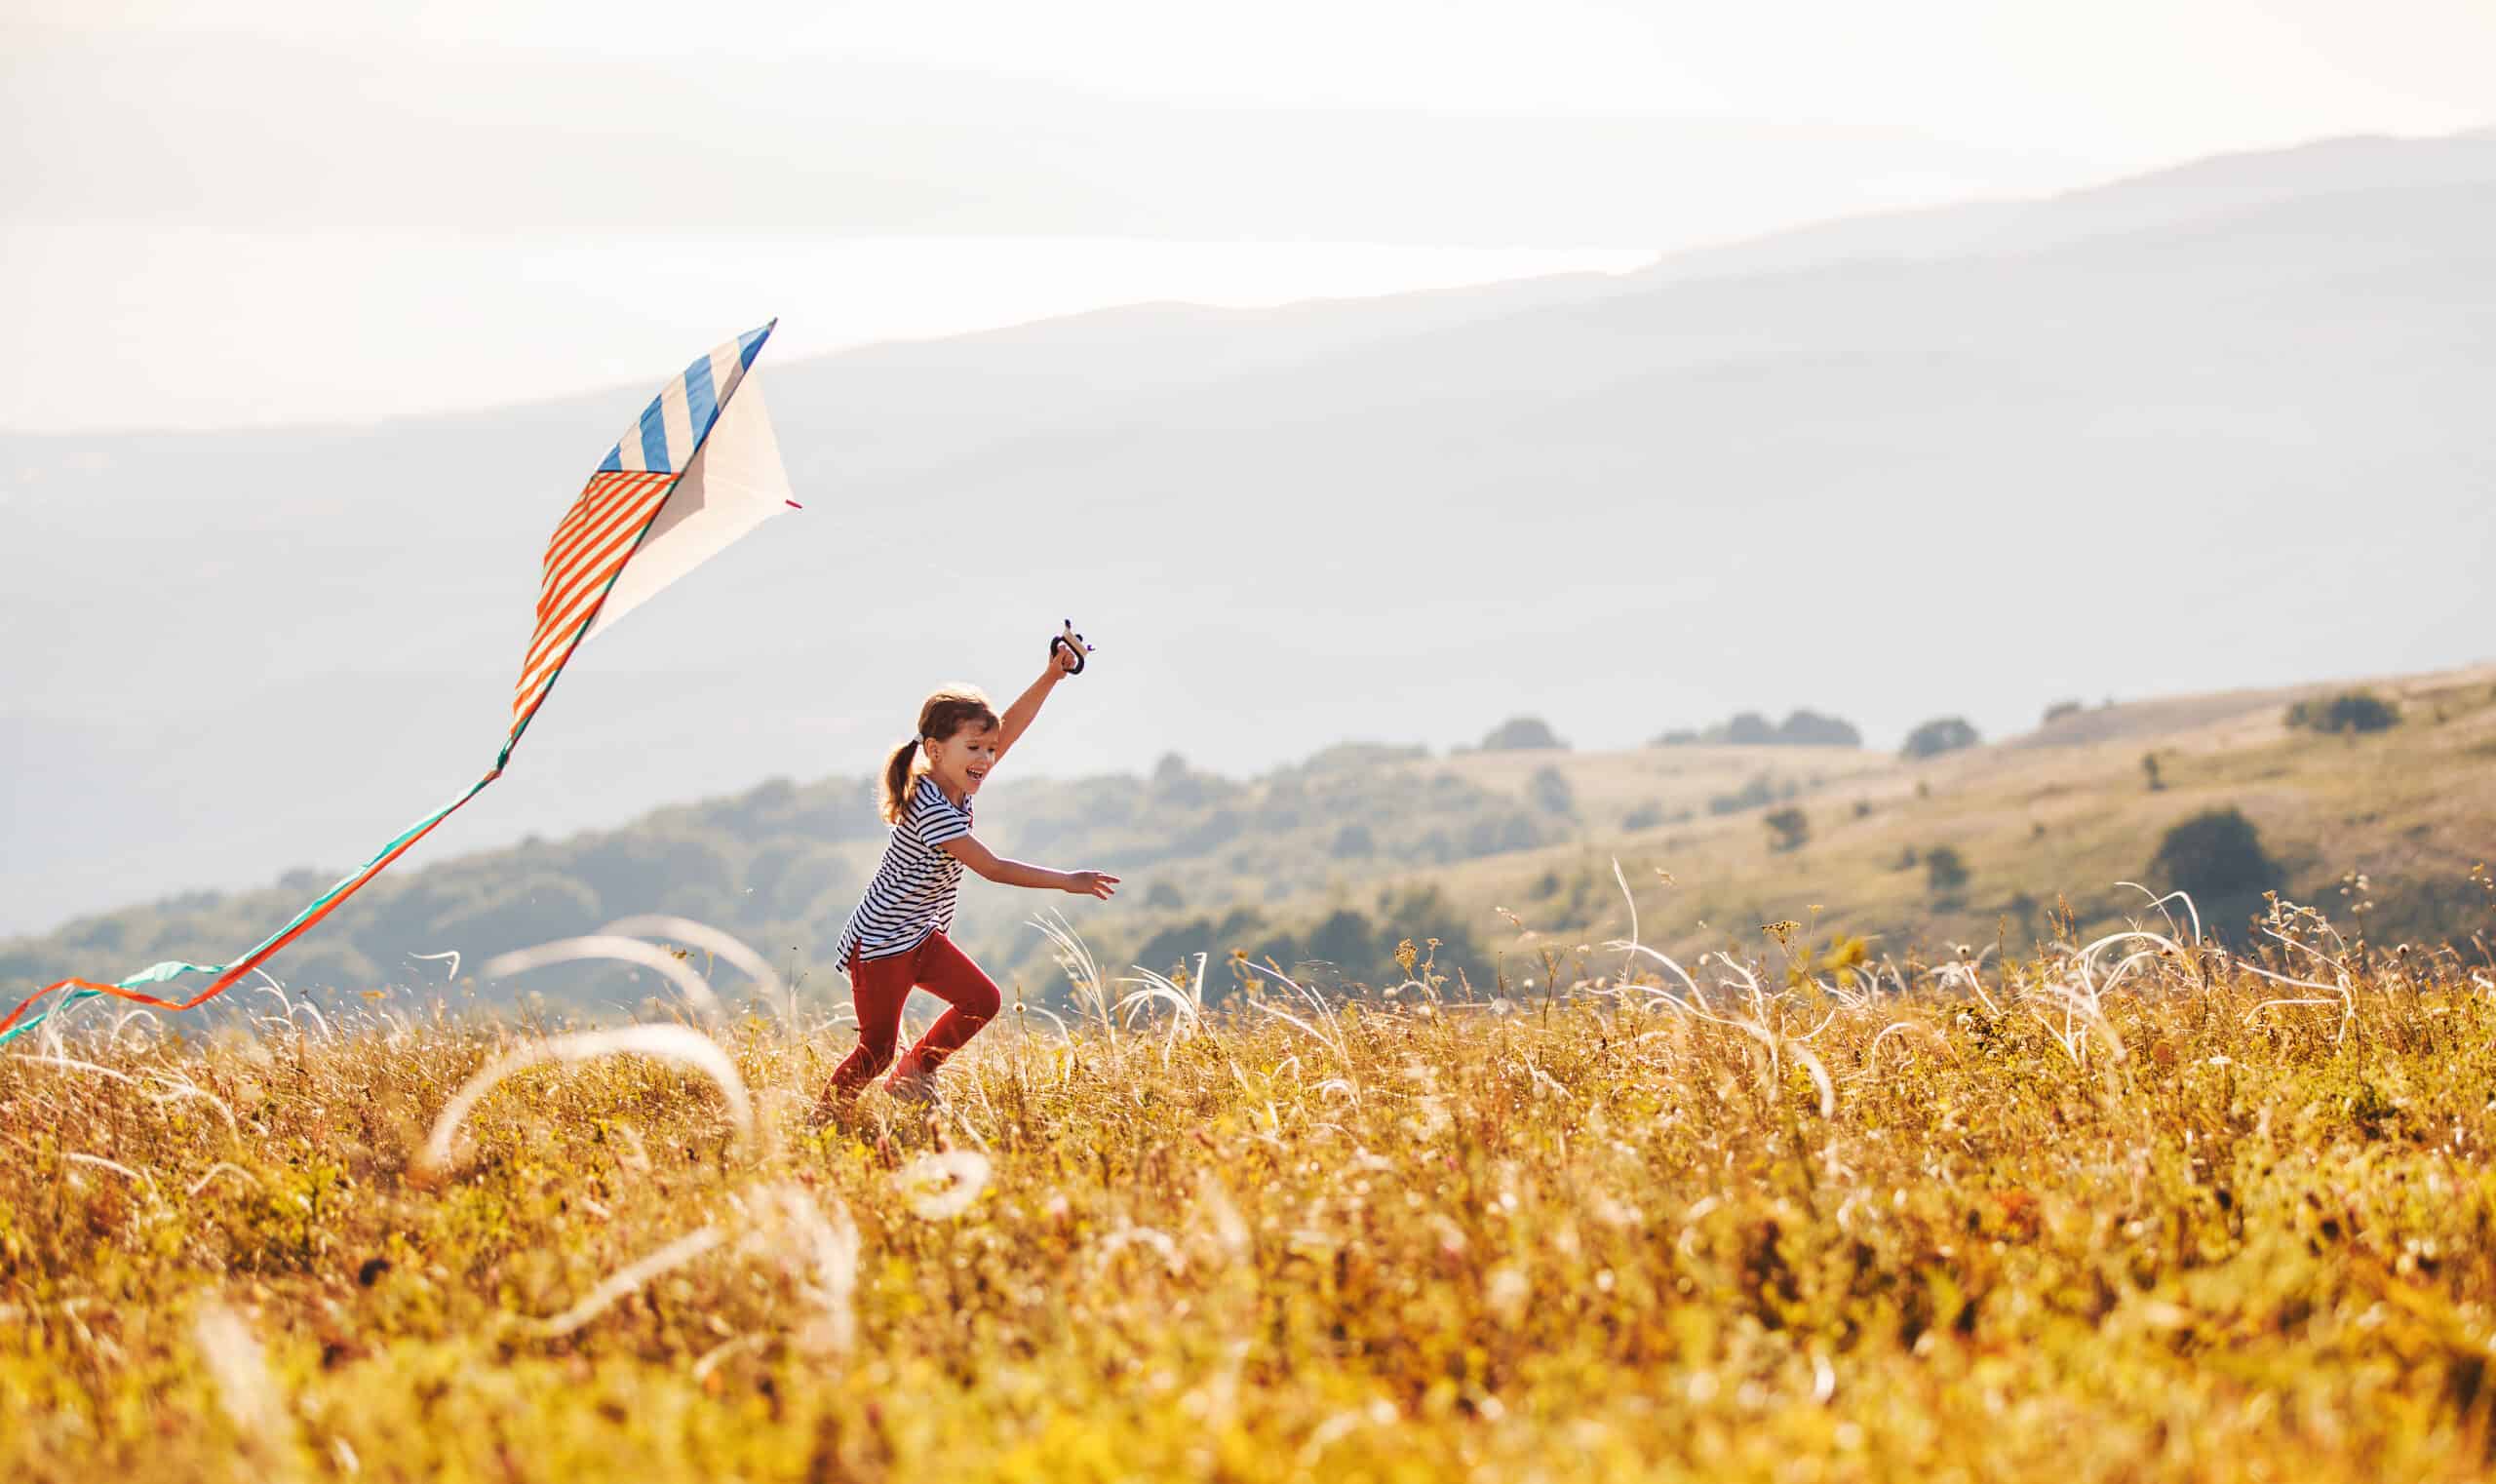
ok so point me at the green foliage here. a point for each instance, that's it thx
(1945, 871)
(781, 865)
(1521, 734)
(1788, 828)
(1548, 790)
(1944, 734)
(2215, 856)
(1361, 949)
(1760, 791)
(1802, 727)
(2351, 712)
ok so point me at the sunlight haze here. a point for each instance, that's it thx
(463, 204)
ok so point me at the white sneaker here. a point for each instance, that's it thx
(915, 1089)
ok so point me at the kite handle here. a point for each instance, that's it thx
(1071, 641)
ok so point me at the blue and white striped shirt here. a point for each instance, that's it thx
(912, 892)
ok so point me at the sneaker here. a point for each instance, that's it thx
(915, 1089)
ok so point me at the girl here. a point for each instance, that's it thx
(895, 941)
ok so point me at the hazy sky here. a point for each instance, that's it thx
(238, 212)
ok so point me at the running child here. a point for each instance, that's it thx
(896, 939)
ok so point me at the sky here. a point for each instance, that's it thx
(260, 213)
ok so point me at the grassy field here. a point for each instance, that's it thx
(2126, 1209)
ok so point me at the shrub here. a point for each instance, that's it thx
(1789, 827)
(1944, 871)
(1646, 816)
(1551, 791)
(2215, 856)
(1809, 729)
(2351, 711)
(2060, 709)
(1521, 734)
(1747, 730)
(1802, 728)
(1757, 791)
(1943, 735)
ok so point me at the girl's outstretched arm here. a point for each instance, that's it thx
(1005, 873)
(1019, 716)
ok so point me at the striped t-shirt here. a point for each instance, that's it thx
(912, 891)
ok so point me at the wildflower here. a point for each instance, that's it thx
(943, 1184)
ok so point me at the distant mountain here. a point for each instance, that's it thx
(2221, 425)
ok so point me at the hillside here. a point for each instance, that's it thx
(1788, 467)
(1498, 854)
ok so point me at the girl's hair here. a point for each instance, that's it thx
(940, 715)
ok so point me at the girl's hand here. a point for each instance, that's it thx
(1098, 885)
(1067, 653)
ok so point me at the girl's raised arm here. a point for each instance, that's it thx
(1025, 709)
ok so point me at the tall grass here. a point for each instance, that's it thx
(2133, 1207)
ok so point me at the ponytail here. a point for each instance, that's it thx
(899, 773)
(940, 715)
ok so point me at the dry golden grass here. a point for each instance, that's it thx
(2111, 1214)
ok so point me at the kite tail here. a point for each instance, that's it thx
(72, 991)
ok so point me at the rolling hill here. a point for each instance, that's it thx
(1500, 855)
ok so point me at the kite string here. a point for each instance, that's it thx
(72, 991)
(16, 1023)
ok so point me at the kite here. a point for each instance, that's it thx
(700, 469)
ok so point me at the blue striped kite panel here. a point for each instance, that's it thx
(671, 429)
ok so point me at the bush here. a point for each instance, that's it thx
(1519, 735)
(2351, 711)
(1551, 791)
(2060, 709)
(1809, 729)
(1747, 730)
(1788, 829)
(1944, 734)
(2215, 857)
(1646, 816)
(1944, 871)
(1755, 792)
(1803, 728)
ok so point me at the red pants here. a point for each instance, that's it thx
(880, 985)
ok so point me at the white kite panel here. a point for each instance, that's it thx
(735, 483)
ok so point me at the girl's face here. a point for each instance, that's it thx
(959, 763)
